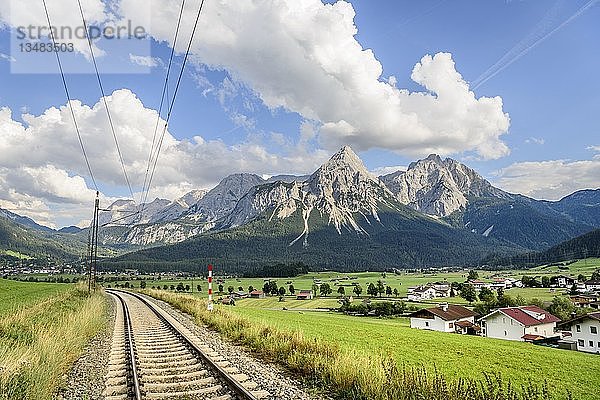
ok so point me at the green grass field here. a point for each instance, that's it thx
(14, 294)
(453, 355)
(43, 330)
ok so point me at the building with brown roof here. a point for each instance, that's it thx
(584, 332)
(442, 318)
(519, 323)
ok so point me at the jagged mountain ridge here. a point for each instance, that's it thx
(439, 187)
(348, 196)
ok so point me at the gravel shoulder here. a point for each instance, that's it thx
(272, 378)
(86, 378)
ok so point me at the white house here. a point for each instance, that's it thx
(562, 281)
(585, 332)
(592, 286)
(525, 323)
(421, 293)
(443, 318)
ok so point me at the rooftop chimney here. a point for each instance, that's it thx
(443, 306)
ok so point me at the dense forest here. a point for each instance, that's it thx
(587, 245)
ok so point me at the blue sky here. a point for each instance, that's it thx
(547, 83)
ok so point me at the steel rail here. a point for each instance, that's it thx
(137, 392)
(233, 384)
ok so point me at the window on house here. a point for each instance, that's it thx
(503, 320)
(591, 343)
(593, 330)
(578, 327)
(450, 325)
(580, 343)
(505, 333)
(426, 323)
(535, 329)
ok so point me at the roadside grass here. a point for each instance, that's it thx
(326, 349)
(40, 341)
(15, 294)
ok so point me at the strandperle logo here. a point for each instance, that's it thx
(65, 33)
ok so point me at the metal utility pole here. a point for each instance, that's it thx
(93, 247)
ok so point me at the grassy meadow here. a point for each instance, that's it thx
(370, 358)
(15, 294)
(43, 330)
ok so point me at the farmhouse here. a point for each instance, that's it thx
(585, 332)
(477, 284)
(304, 295)
(561, 281)
(583, 300)
(525, 323)
(443, 318)
(592, 286)
(421, 293)
(257, 294)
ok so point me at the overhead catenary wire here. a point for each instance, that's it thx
(165, 89)
(110, 121)
(64, 81)
(172, 103)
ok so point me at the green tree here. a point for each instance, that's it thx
(220, 288)
(315, 289)
(388, 291)
(198, 288)
(172, 287)
(468, 293)
(545, 281)
(250, 288)
(581, 278)
(357, 290)
(341, 291)
(292, 289)
(372, 290)
(396, 292)
(562, 307)
(487, 295)
(282, 291)
(240, 289)
(187, 288)
(230, 289)
(143, 285)
(595, 275)
(574, 289)
(380, 288)
(473, 275)
(165, 287)
(325, 289)
(180, 287)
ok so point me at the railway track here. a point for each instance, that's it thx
(153, 356)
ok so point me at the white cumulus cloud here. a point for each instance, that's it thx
(302, 55)
(549, 180)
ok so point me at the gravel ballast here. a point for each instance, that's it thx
(86, 379)
(271, 377)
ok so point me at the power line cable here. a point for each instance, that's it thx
(64, 81)
(172, 103)
(165, 89)
(110, 121)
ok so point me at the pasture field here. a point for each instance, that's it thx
(451, 354)
(42, 333)
(15, 294)
(360, 347)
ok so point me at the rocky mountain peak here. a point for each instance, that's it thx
(439, 187)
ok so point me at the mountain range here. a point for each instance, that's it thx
(437, 212)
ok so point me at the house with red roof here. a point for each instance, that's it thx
(526, 323)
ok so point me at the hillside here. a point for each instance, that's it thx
(36, 244)
(584, 246)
